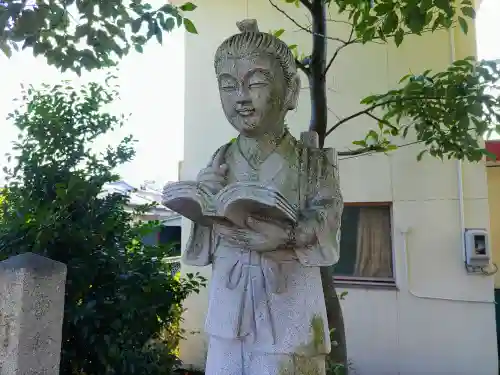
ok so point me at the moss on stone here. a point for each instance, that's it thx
(305, 360)
(317, 344)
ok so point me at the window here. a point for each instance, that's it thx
(171, 234)
(365, 245)
(166, 235)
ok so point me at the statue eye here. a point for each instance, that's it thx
(227, 86)
(257, 84)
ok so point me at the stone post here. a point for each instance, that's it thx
(31, 314)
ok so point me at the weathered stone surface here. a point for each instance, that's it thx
(266, 313)
(31, 314)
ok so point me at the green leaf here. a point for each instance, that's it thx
(489, 154)
(278, 33)
(369, 99)
(390, 23)
(421, 155)
(372, 134)
(438, 22)
(188, 7)
(469, 12)
(189, 25)
(398, 37)
(169, 24)
(405, 78)
(442, 4)
(463, 24)
(136, 25)
(159, 35)
(361, 143)
(5, 49)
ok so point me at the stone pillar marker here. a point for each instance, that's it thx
(31, 314)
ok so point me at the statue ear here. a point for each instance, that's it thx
(293, 92)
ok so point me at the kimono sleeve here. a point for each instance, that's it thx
(200, 246)
(323, 211)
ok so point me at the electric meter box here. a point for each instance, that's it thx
(477, 249)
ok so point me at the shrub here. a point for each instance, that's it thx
(121, 297)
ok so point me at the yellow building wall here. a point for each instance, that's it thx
(440, 320)
(493, 174)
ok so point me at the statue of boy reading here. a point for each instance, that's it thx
(266, 313)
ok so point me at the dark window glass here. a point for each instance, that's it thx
(365, 243)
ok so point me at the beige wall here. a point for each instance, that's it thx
(441, 320)
(494, 202)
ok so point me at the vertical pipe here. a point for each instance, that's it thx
(459, 165)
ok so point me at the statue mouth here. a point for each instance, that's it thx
(244, 112)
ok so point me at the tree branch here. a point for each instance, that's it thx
(374, 106)
(368, 150)
(358, 151)
(303, 67)
(376, 118)
(339, 21)
(302, 27)
(306, 3)
(337, 51)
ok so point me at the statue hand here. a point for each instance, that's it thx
(258, 236)
(214, 177)
(276, 234)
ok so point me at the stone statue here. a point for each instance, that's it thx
(266, 313)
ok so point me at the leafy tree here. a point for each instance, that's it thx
(122, 303)
(86, 34)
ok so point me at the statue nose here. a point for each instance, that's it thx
(243, 101)
(243, 95)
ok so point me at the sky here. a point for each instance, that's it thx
(151, 90)
(488, 32)
(152, 87)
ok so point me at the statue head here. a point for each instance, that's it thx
(258, 80)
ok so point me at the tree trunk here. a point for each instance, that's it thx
(338, 355)
(317, 67)
(319, 117)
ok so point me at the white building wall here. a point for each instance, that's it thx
(439, 320)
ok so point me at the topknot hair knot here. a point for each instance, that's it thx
(248, 26)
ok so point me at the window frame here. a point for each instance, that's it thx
(372, 282)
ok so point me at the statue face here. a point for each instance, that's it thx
(253, 93)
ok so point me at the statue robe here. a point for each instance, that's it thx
(274, 300)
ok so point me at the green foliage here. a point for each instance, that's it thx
(86, 34)
(382, 19)
(449, 111)
(122, 303)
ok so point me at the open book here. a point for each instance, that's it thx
(231, 206)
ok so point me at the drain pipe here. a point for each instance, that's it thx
(459, 164)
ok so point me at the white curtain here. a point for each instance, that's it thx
(374, 251)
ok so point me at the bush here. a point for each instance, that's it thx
(123, 305)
